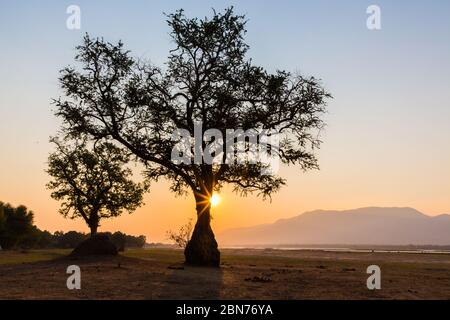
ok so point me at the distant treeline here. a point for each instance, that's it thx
(17, 231)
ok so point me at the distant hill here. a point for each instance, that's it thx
(364, 226)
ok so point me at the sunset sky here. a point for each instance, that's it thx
(387, 142)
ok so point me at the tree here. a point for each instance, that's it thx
(136, 242)
(209, 82)
(93, 184)
(2, 219)
(16, 224)
(45, 239)
(69, 239)
(120, 240)
(182, 237)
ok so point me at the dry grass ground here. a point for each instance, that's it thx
(245, 274)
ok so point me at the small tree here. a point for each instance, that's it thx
(182, 237)
(93, 184)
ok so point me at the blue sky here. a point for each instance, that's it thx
(388, 125)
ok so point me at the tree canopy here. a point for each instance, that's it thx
(92, 182)
(16, 223)
(208, 80)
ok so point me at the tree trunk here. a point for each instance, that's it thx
(202, 248)
(92, 221)
(93, 228)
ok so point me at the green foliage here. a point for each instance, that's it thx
(72, 239)
(122, 240)
(69, 239)
(18, 232)
(119, 239)
(16, 224)
(2, 219)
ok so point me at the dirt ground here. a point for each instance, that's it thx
(244, 274)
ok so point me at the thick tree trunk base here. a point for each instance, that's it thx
(202, 248)
(97, 245)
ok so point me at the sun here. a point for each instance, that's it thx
(214, 200)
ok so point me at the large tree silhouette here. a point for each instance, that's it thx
(207, 80)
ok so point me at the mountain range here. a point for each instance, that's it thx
(364, 226)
